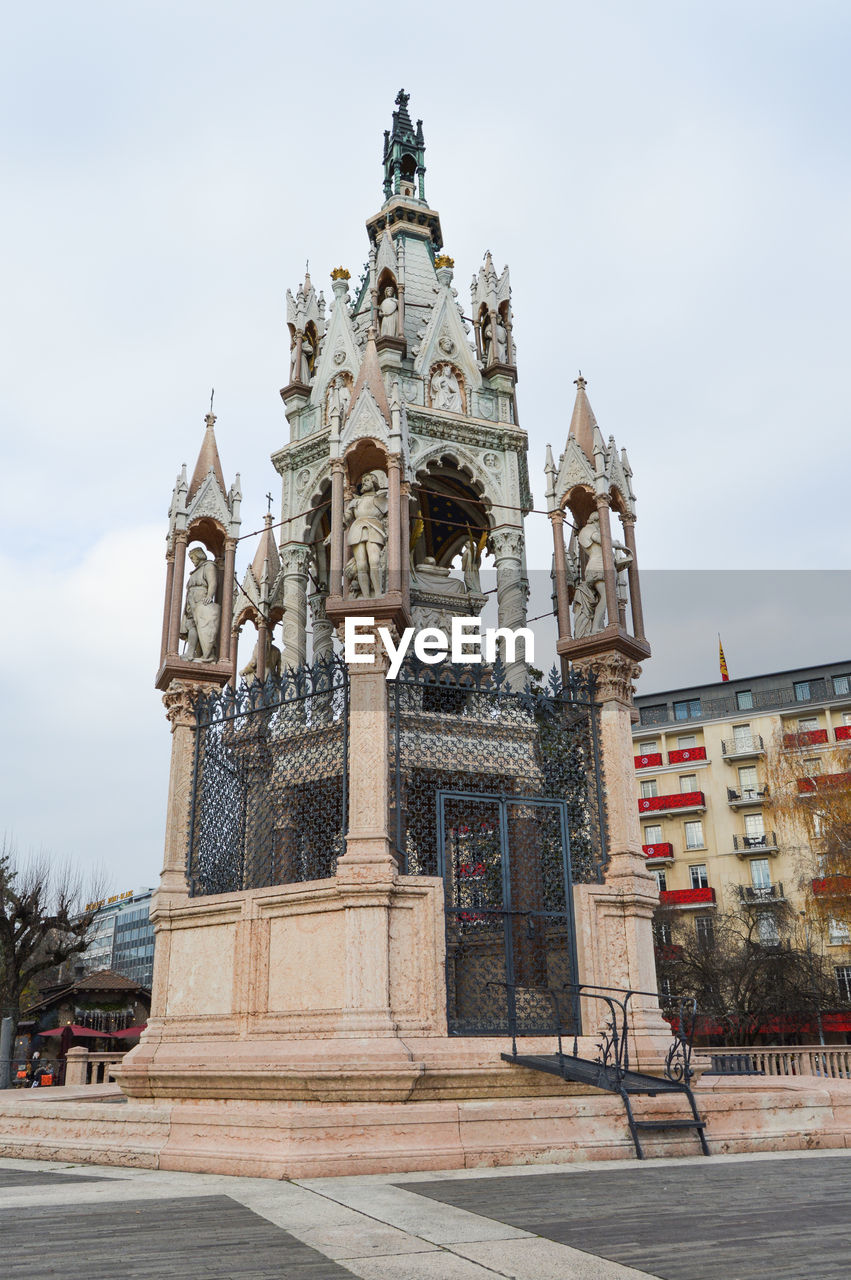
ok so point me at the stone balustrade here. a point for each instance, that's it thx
(83, 1067)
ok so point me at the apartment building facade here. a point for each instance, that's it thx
(704, 802)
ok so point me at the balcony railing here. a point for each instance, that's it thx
(652, 760)
(746, 845)
(807, 738)
(748, 795)
(658, 852)
(687, 898)
(688, 800)
(825, 782)
(767, 893)
(842, 733)
(832, 886)
(742, 748)
(686, 755)
(727, 708)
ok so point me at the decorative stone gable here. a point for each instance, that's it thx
(445, 343)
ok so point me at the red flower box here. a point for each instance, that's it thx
(686, 755)
(686, 897)
(653, 761)
(685, 800)
(843, 733)
(812, 738)
(658, 850)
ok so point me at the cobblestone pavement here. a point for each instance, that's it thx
(734, 1217)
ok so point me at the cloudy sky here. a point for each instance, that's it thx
(669, 183)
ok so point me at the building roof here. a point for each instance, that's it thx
(102, 980)
(811, 672)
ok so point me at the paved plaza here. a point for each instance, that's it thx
(736, 1217)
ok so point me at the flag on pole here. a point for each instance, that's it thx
(725, 674)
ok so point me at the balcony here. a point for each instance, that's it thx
(749, 748)
(842, 733)
(824, 782)
(810, 738)
(747, 796)
(765, 894)
(747, 846)
(687, 755)
(651, 761)
(832, 887)
(687, 899)
(684, 802)
(658, 854)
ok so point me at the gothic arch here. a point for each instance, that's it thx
(452, 496)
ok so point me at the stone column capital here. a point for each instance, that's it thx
(507, 544)
(179, 701)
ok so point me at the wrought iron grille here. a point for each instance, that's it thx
(269, 787)
(465, 729)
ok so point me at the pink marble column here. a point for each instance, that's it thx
(608, 561)
(634, 581)
(227, 601)
(394, 533)
(335, 585)
(169, 588)
(176, 591)
(562, 603)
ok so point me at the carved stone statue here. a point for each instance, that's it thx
(388, 310)
(300, 368)
(273, 661)
(445, 392)
(589, 600)
(199, 625)
(366, 520)
(340, 396)
(431, 576)
(470, 563)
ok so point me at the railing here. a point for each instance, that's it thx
(753, 844)
(762, 893)
(658, 852)
(804, 1060)
(806, 738)
(842, 733)
(748, 795)
(832, 886)
(687, 754)
(728, 708)
(652, 760)
(825, 782)
(697, 897)
(750, 746)
(84, 1067)
(681, 800)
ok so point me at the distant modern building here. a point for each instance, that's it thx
(123, 937)
(704, 802)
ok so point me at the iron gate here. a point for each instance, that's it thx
(505, 863)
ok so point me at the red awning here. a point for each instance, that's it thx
(74, 1030)
(130, 1033)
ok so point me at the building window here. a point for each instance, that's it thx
(661, 880)
(747, 780)
(802, 690)
(837, 933)
(841, 685)
(662, 933)
(654, 715)
(699, 877)
(843, 981)
(694, 834)
(807, 724)
(649, 788)
(648, 747)
(688, 782)
(666, 991)
(767, 930)
(653, 835)
(744, 700)
(754, 826)
(846, 717)
(704, 930)
(689, 709)
(760, 875)
(812, 766)
(742, 737)
(685, 741)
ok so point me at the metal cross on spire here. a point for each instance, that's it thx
(269, 504)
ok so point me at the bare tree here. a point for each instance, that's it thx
(811, 801)
(45, 918)
(753, 970)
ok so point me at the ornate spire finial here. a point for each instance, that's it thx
(210, 417)
(402, 99)
(580, 382)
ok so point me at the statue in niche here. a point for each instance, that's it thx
(199, 626)
(589, 600)
(388, 311)
(273, 661)
(495, 341)
(340, 396)
(471, 561)
(445, 391)
(436, 578)
(300, 368)
(366, 535)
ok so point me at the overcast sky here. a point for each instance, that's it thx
(669, 183)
